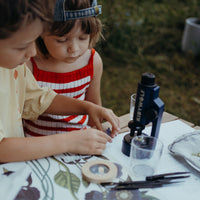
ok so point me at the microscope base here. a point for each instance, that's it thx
(126, 145)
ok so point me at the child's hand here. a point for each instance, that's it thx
(98, 113)
(88, 141)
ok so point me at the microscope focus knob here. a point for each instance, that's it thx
(151, 114)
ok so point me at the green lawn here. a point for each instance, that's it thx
(145, 36)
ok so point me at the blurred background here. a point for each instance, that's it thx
(145, 36)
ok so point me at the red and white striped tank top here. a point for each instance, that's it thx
(73, 84)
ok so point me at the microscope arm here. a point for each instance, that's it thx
(159, 105)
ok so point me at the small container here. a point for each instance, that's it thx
(191, 36)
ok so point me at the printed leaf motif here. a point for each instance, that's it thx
(147, 197)
(68, 180)
(128, 179)
(94, 195)
(7, 172)
(196, 154)
(85, 183)
(28, 192)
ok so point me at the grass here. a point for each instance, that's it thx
(145, 36)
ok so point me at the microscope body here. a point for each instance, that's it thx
(148, 108)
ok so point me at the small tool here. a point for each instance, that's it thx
(167, 176)
(151, 181)
(142, 184)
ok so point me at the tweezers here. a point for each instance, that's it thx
(167, 176)
(151, 181)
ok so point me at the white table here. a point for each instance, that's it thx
(59, 177)
(169, 131)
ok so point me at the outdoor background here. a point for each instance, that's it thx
(145, 36)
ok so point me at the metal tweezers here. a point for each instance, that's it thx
(151, 181)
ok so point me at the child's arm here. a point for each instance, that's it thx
(63, 105)
(88, 141)
(93, 93)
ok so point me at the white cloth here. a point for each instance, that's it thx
(189, 189)
(11, 185)
(60, 176)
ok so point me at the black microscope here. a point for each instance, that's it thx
(148, 108)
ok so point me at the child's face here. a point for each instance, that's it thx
(69, 47)
(18, 48)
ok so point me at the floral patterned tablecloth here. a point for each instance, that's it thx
(59, 177)
(56, 178)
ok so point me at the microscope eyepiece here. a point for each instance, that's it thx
(148, 79)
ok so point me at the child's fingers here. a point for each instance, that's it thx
(114, 121)
(114, 133)
(99, 151)
(98, 125)
(104, 138)
(100, 146)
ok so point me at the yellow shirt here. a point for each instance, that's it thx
(20, 97)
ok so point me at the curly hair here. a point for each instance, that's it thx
(17, 13)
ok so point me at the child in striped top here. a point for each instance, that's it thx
(22, 21)
(67, 63)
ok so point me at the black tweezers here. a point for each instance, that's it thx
(167, 176)
(151, 181)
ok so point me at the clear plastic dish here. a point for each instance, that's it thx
(188, 147)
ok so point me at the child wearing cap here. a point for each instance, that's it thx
(21, 97)
(67, 62)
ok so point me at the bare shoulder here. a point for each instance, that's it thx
(29, 65)
(98, 63)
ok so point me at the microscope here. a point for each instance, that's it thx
(148, 108)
